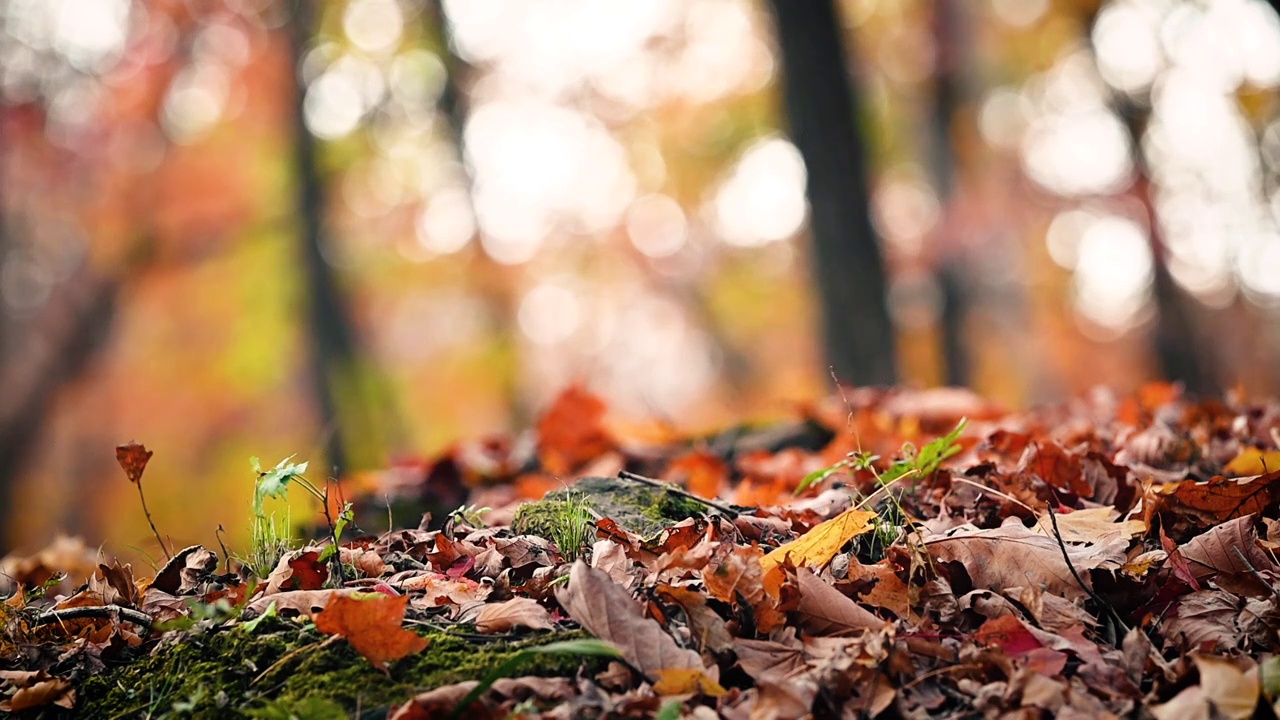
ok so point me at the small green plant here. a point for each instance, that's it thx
(565, 521)
(922, 463)
(271, 540)
(470, 515)
(268, 539)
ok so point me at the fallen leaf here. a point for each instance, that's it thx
(41, 690)
(1012, 555)
(305, 602)
(133, 457)
(1233, 692)
(741, 573)
(297, 570)
(606, 610)
(516, 612)
(372, 624)
(1219, 499)
(185, 571)
(686, 681)
(824, 610)
(571, 432)
(1091, 525)
(707, 628)
(816, 547)
(1231, 547)
(701, 472)
(1252, 461)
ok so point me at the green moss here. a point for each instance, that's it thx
(213, 675)
(640, 508)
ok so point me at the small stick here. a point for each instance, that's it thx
(114, 612)
(1254, 571)
(677, 490)
(1057, 535)
(150, 522)
(320, 645)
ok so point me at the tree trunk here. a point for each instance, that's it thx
(331, 354)
(822, 108)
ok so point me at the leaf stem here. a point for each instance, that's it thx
(150, 522)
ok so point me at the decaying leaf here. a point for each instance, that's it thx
(1011, 555)
(516, 612)
(1219, 499)
(372, 624)
(133, 457)
(36, 689)
(740, 574)
(824, 610)
(1231, 547)
(816, 547)
(607, 611)
(686, 681)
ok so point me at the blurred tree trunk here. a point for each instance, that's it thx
(1176, 344)
(823, 107)
(948, 87)
(498, 282)
(332, 356)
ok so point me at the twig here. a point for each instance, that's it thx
(677, 490)
(112, 612)
(1254, 571)
(320, 645)
(993, 491)
(154, 531)
(1057, 535)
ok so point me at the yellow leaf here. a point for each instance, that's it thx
(686, 681)
(1252, 461)
(816, 547)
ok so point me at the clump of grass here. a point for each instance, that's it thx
(271, 540)
(566, 521)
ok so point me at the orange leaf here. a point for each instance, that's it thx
(686, 681)
(816, 547)
(571, 432)
(133, 457)
(372, 625)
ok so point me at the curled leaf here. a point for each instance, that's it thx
(133, 457)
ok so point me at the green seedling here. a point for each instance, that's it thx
(922, 463)
(274, 483)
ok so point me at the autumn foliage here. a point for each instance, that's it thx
(1112, 556)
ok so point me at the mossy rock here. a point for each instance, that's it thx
(217, 675)
(640, 508)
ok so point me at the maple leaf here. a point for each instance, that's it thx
(372, 624)
(816, 547)
(133, 457)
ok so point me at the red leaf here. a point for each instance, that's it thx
(133, 457)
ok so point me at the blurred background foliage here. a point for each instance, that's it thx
(362, 229)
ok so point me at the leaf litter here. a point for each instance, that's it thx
(876, 554)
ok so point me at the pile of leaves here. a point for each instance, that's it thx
(884, 553)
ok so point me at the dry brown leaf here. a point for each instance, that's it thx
(1204, 619)
(824, 610)
(1219, 499)
(1012, 556)
(1231, 547)
(440, 702)
(1233, 692)
(516, 612)
(38, 691)
(133, 457)
(372, 624)
(1091, 525)
(185, 571)
(306, 602)
(606, 610)
(816, 547)
(740, 572)
(707, 628)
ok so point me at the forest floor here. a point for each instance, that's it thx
(887, 553)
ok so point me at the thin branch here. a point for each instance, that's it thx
(677, 490)
(113, 612)
(1057, 535)
(150, 522)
